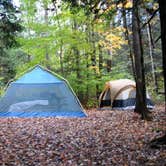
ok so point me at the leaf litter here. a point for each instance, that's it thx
(103, 138)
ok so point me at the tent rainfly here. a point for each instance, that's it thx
(40, 93)
(120, 94)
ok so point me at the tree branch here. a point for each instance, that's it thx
(154, 13)
(157, 39)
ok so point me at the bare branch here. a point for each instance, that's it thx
(153, 15)
(157, 39)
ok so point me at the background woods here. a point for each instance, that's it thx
(87, 42)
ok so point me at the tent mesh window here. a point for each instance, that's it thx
(32, 99)
(132, 93)
(125, 99)
(38, 93)
(105, 99)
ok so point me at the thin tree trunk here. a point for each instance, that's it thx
(88, 61)
(77, 63)
(46, 47)
(61, 42)
(28, 58)
(151, 58)
(128, 40)
(78, 73)
(100, 59)
(141, 106)
(109, 62)
(28, 22)
(99, 75)
(93, 56)
(87, 77)
(61, 57)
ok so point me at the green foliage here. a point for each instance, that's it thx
(65, 40)
(74, 42)
(120, 72)
(9, 27)
(9, 24)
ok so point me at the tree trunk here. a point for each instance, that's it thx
(151, 58)
(61, 42)
(156, 143)
(87, 77)
(93, 57)
(109, 62)
(162, 9)
(46, 46)
(28, 58)
(99, 75)
(128, 40)
(77, 63)
(100, 59)
(78, 73)
(141, 106)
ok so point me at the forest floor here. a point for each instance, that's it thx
(105, 138)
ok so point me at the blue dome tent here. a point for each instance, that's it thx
(40, 93)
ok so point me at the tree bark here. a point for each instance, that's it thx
(151, 58)
(78, 72)
(61, 41)
(156, 143)
(131, 58)
(141, 106)
(77, 64)
(93, 56)
(99, 75)
(46, 46)
(100, 59)
(162, 10)
(87, 77)
(109, 62)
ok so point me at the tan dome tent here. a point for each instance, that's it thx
(120, 94)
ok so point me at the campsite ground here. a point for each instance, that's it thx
(103, 138)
